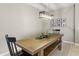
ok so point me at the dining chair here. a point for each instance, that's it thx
(13, 48)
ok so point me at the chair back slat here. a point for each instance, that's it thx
(11, 45)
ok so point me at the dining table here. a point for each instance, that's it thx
(41, 47)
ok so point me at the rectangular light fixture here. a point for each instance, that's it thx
(46, 15)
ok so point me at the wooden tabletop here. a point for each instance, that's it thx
(33, 45)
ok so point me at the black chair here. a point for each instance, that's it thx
(13, 49)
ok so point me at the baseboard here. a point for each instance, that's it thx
(68, 42)
(77, 44)
(5, 54)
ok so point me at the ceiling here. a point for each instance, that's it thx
(50, 6)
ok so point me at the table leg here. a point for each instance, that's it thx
(60, 44)
(41, 52)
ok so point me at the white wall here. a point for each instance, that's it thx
(19, 20)
(67, 13)
(68, 30)
(77, 23)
